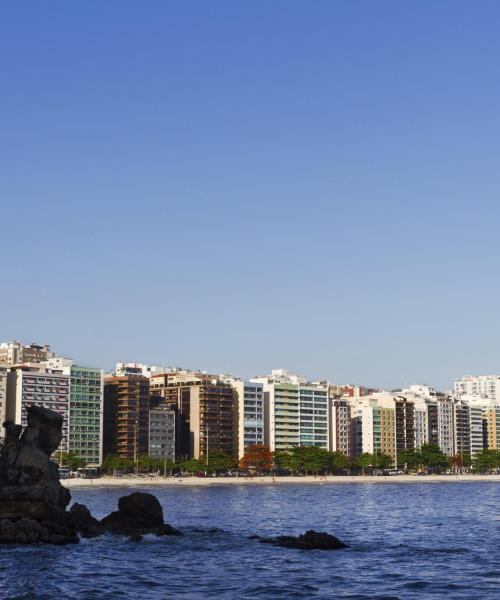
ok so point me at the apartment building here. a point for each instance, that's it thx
(446, 425)
(41, 386)
(249, 414)
(483, 387)
(296, 412)
(204, 408)
(313, 415)
(162, 433)
(340, 430)
(16, 353)
(86, 413)
(126, 416)
(491, 428)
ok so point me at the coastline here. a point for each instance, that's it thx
(139, 482)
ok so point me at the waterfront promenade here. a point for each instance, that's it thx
(331, 479)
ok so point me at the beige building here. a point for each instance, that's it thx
(491, 419)
(15, 353)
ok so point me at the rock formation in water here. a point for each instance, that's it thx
(32, 500)
(138, 514)
(310, 540)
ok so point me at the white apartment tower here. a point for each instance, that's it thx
(249, 416)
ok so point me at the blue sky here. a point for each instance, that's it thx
(240, 186)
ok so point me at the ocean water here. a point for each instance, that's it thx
(406, 541)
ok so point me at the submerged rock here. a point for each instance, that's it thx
(138, 514)
(310, 540)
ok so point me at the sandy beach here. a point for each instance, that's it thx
(203, 481)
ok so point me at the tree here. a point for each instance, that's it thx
(192, 465)
(339, 462)
(365, 461)
(218, 461)
(284, 459)
(112, 463)
(257, 457)
(410, 458)
(71, 460)
(382, 461)
(487, 461)
(310, 459)
(434, 458)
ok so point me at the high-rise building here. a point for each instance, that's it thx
(295, 412)
(16, 353)
(340, 430)
(491, 428)
(86, 413)
(481, 388)
(204, 407)
(446, 425)
(29, 385)
(162, 433)
(126, 416)
(468, 429)
(249, 414)
(313, 415)
(374, 428)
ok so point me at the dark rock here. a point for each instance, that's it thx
(135, 537)
(142, 509)
(311, 540)
(32, 499)
(33, 502)
(166, 529)
(139, 513)
(86, 525)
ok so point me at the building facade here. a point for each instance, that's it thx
(340, 430)
(86, 413)
(313, 415)
(126, 416)
(249, 414)
(16, 353)
(162, 433)
(204, 408)
(27, 386)
(486, 387)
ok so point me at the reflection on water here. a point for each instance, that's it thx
(407, 541)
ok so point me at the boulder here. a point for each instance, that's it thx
(310, 540)
(142, 509)
(138, 514)
(81, 519)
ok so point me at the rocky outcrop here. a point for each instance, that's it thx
(138, 514)
(86, 525)
(32, 500)
(310, 540)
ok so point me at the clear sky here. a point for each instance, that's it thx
(241, 186)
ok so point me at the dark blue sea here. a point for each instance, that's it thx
(407, 541)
